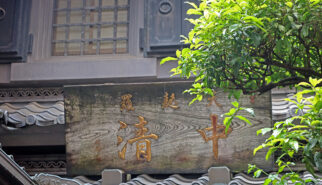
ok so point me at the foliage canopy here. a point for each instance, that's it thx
(251, 45)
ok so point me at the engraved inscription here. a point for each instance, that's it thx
(169, 102)
(218, 132)
(126, 103)
(143, 144)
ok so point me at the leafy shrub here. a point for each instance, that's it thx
(303, 138)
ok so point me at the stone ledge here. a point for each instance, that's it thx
(50, 71)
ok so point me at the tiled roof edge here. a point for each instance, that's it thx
(7, 162)
(12, 116)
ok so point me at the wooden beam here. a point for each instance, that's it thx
(33, 136)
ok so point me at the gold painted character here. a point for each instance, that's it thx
(126, 103)
(172, 103)
(218, 132)
(143, 144)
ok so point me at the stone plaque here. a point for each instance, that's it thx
(150, 128)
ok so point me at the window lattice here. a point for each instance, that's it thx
(90, 27)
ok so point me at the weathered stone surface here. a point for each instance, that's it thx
(92, 119)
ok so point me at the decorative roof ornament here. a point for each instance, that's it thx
(21, 115)
(31, 94)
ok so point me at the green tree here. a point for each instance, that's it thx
(251, 45)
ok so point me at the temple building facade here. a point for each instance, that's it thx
(63, 61)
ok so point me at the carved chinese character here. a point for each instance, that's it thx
(218, 132)
(169, 102)
(143, 144)
(126, 103)
(213, 99)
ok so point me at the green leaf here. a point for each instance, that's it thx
(251, 167)
(199, 97)
(236, 94)
(308, 180)
(304, 84)
(244, 119)
(289, 4)
(227, 122)
(193, 12)
(276, 132)
(253, 19)
(306, 91)
(314, 2)
(203, 5)
(178, 53)
(313, 81)
(209, 91)
(258, 148)
(193, 100)
(318, 160)
(231, 112)
(290, 18)
(192, 4)
(281, 28)
(270, 152)
(167, 59)
(290, 153)
(305, 31)
(264, 131)
(281, 168)
(278, 124)
(267, 181)
(257, 173)
(298, 127)
(289, 121)
(185, 52)
(235, 104)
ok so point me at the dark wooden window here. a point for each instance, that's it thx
(87, 27)
(14, 28)
(164, 23)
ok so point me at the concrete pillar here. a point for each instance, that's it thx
(112, 177)
(219, 175)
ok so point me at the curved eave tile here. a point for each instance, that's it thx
(34, 114)
(282, 109)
